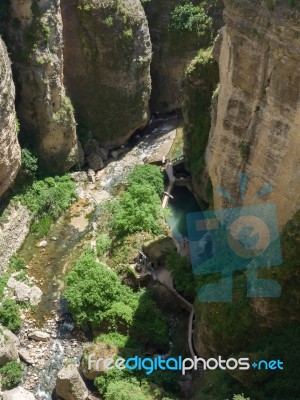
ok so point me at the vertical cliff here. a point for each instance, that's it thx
(176, 41)
(10, 155)
(255, 129)
(256, 119)
(107, 67)
(46, 114)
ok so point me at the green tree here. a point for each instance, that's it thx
(28, 162)
(190, 18)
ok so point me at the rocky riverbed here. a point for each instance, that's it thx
(48, 339)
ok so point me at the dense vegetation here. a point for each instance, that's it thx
(138, 208)
(46, 198)
(239, 327)
(190, 18)
(97, 298)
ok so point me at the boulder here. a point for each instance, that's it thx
(18, 393)
(39, 336)
(92, 175)
(21, 290)
(24, 292)
(9, 344)
(42, 243)
(25, 356)
(79, 176)
(95, 162)
(35, 295)
(99, 350)
(70, 385)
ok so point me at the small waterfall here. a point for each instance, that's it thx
(49, 373)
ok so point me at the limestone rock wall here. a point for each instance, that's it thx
(107, 67)
(256, 120)
(174, 51)
(10, 155)
(34, 32)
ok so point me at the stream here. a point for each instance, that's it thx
(68, 236)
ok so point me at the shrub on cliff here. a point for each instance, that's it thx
(190, 18)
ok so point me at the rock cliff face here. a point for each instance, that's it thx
(173, 51)
(255, 129)
(10, 154)
(46, 114)
(107, 67)
(256, 120)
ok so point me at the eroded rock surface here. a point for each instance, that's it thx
(257, 117)
(107, 67)
(10, 153)
(45, 112)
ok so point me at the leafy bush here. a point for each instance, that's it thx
(16, 263)
(138, 210)
(190, 18)
(10, 314)
(113, 338)
(125, 390)
(102, 245)
(11, 374)
(28, 162)
(147, 174)
(49, 196)
(97, 298)
(93, 291)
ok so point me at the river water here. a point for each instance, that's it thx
(182, 203)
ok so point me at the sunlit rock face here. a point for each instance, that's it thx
(34, 36)
(10, 154)
(256, 120)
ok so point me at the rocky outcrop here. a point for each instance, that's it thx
(98, 351)
(14, 227)
(8, 346)
(256, 120)
(10, 154)
(45, 112)
(70, 385)
(107, 67)
(24, 292)
(174, 50)
(17, 394)
(200, 82)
